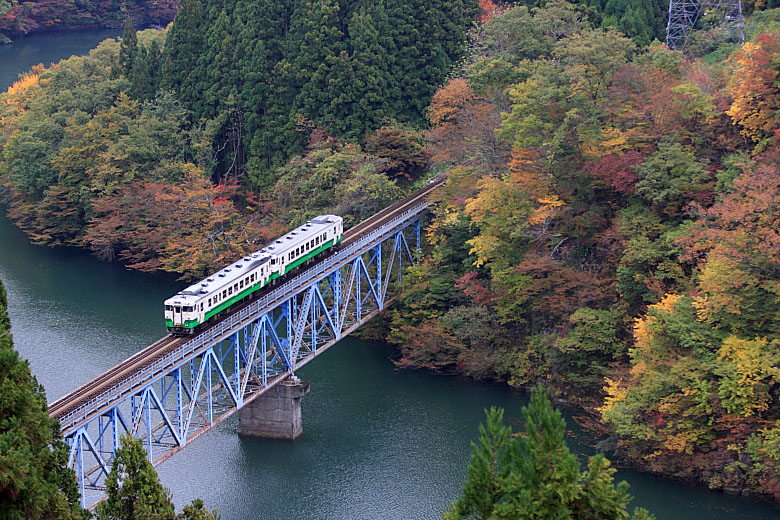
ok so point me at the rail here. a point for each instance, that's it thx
(87, 406)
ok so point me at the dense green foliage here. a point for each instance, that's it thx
(34, 480)
(268, 72)
(532, 475)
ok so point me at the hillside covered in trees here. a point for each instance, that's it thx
(608, 227)
(206, 132)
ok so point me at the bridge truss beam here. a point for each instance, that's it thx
(183, 395)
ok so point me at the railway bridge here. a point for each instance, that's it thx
(177, 389)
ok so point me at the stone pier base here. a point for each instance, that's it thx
(276, 414)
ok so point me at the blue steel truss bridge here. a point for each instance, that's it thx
(177, 389)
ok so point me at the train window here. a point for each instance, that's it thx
(168, 308)
(224, 293)
(241, 284)
(187, 309)
(201, 306)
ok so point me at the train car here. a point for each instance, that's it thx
(189, 309)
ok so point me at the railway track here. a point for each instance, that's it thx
(160, 348)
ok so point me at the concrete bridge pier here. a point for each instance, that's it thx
(276, 414)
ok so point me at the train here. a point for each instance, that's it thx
(187, 311)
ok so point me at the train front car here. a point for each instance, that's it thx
(181, 316)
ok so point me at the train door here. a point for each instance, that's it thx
(177, 321)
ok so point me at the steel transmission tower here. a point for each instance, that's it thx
(683, 15)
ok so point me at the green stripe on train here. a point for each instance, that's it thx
(227, 303)
(309, 255)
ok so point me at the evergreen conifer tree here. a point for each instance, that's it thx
(128, 49)
(34, 479)
(267, 93)
(183, 46)
(197, 511)
(133, 488)
(218, 62)
(371, 82)
(153, 57)
(345, 65)
(487, 469)
(315, 41)
(342, 80)
(534, 476)
(141, 87)
(135, 493)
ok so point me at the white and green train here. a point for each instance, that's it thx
(189, 309)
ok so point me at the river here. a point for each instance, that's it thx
(378, 443)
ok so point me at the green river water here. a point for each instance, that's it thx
(378, 443)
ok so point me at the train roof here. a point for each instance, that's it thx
(222, 278)
(237, 270)
(300, 234)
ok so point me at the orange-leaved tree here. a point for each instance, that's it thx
(755, 92)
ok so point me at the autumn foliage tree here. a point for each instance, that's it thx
(756, 97)
(189, 228)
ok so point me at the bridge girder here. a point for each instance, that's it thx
(183, 395)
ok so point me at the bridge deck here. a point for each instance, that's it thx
(77, 406)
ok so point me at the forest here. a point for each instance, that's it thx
(608, 229)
